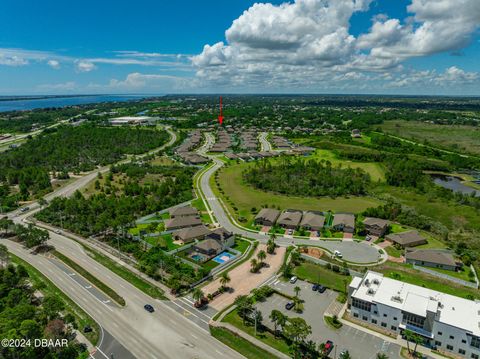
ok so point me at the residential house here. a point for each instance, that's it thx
(432, 258)
(182, 222)
(376, 226)
(312, 221)
(406, 239)
(344, 222)
(224, 237)
(267, 216)
(183, 212)
(290, 219)
(209, 247)
(190, 234)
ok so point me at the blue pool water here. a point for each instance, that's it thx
(223, 257)
(197, 257)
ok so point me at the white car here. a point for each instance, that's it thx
(337, 254)
(57, 231)
(293, 279)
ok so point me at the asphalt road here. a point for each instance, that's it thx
(265, 145)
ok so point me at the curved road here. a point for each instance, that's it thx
(265, 145)
(352, 251)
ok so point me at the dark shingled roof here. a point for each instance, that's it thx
(268, 214)
(407, 238)
(432, 256)
(184, 211)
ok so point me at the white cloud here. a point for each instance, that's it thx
(84, 66)
(54, 64)
(65, 86)
(308, 42)
(138, 81)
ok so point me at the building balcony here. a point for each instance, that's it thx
(423, 332)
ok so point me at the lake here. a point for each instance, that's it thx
(29, 104)
(455, 184)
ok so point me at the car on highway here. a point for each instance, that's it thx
(148, 308)
(289, 305)
(293, 279)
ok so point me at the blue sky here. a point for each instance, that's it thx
(329, 46)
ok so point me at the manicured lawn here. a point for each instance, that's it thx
(209, 265)
(316, 273)
(245, 197)
(463, 274)
(268, 338)
(164, 241)
(397, 228)
(135, 231)
(394, 252)
(239, 344)
(206, 218)
(198, 204)
(406, 273)
(241, 245)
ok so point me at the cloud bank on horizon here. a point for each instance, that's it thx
(300, 46)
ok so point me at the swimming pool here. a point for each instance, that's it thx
(223, 257)
(198, 257)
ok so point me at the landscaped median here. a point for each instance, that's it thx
(91, 278)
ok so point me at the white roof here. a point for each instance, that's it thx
(451, 310)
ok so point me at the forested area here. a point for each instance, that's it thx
(68, 149)
(114, 211)
(25, 316)
(307, 178)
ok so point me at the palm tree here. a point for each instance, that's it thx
(408, 334)
(297, 290)
(278, 319)
(417, 339)
(254, 265)
(197, 295)
(261, 256)
(382, 356)
(345, 355)
(224, 279)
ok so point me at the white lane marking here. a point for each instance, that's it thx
(194, 336)
(219, 352)
(88, 286)
(101, 352)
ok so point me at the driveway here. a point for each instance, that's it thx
(243, 281)
(361, 345)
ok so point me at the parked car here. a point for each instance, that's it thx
(24, 209)
(315, 287)
(338, 254)
(148, 308)
(321, 288)
(293, 279)
(328, 347)
(289, 305)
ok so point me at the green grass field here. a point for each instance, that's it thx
(315, 273)
(241, 245)
(394, 252)
(455, 138)
(375, 170)
(463, 274)
(246, 197)
(244, 347)
(268, 338)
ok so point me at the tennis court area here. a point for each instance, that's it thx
(223, 257)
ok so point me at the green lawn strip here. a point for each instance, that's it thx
(241, 245)
(462, 274)
(315, 273)
(393, 252)
(47, 287)
(406, 273)
(264, 335)
(237, 343)
(91, 278)
(198, 204)
(209, 265)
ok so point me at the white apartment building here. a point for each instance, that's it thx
(446, 322)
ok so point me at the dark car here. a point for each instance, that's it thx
(321, 288)
(289, 305)
(328, 347)
(149, 308)
(315, 287)
(87, 329)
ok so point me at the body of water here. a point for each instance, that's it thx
(455, 184)
(33, 103)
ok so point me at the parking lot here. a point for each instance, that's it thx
(360, 344)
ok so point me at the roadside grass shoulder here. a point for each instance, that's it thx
(237, 343)
(91, 278)
(315, 273)
(48, 288)
(262, 334)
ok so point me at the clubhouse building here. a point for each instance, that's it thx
(445, 322)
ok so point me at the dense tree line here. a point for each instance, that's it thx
(69, 149)
(23, 316)
(114, 211)
(307, 178)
